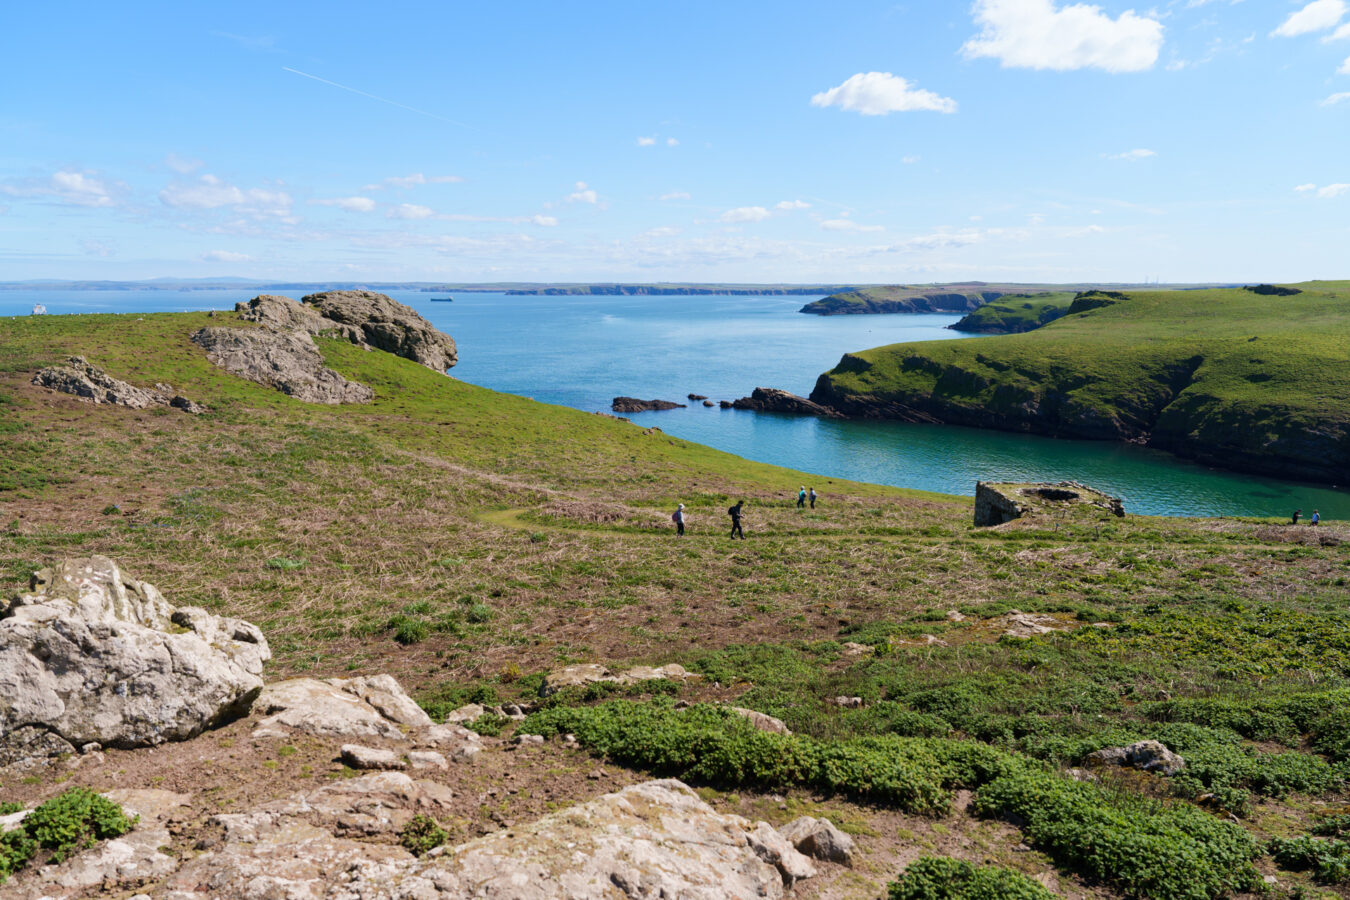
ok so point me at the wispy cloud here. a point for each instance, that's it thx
(209, 192)
(182, 165)
(849, 225)
(675, 195)
(413, 180)
(745, 214)
(1035, 34)
(880, 93)
(1131, 155)
(1326, 192)
(1343, 95)
(413, 109)
(792, 204)
(583, 194)
(1318, 15)
(226, 256)
(410, 211)
(67, 187)
(646, 142)
(350, 204)
(545, 221)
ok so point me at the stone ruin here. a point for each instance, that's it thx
(997, 503)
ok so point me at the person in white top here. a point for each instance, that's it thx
(678, 518)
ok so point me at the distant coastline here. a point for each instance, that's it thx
(508, 287)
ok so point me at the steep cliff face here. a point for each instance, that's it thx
(1216, 376)
(900, 299)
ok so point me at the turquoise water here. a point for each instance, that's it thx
(583, 351)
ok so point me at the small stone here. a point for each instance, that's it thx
(427, 759)
(761, 721)
(819, 838)
(359, 757)
(91, 747)
(955, 616)
(852, 648)
(521, 740)
(469, 712)
(849, 702)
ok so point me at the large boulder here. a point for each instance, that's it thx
(81, 378)
(285, 360)
(379, 321)
(655, 839)
(90, 655)
(281, 314)
(774, 400)
(372, 706)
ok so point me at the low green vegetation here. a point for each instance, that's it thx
(903, 298)
(1228, 376)
(939, 878)
(422, 834)
(1015, 313)
(66, 824)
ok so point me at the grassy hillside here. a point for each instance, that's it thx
(1229, 377)
(468, 541)
(1016, 313)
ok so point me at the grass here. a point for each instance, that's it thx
(899, 298)
(1225, 376)
(467, 542)
(1016, 313)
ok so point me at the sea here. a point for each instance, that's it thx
(582, 351)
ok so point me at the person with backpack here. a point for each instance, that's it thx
(801, 497)
(735, 513)
(678, 518)
(1317, 517)
(813, 498)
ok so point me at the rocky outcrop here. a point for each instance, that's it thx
(901, 299)
(656, 839)
(371, 706)
(83, 379)
(1148, 756)
(591, 673)
(281, 314)
(90, 655)
(379, 321)
(773, 400)
(996, 503)
(820, 839)
(761, 721)
(285, 360)
(633, 404)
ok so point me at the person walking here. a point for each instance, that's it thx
(735, 513)
(1297, 513)
(813, 498)
(1316, 517)
(801, 497)
(678, 518)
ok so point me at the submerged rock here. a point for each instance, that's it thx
(89, 655)
(285, 360)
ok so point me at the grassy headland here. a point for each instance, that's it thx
(468, 541)
(1225, 376)
(1016, 313)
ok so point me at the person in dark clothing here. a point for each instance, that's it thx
(813, 498)
(678, 518)
(1297, 513)
(801, 497)
(735, 513)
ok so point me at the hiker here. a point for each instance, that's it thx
(678, 518)
(735, 513)
(813, 498)
(1297, 513)
(1316, 517)
(801, 497)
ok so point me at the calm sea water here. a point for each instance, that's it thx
(584, 351)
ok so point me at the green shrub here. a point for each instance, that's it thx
(283, 564)
(409, 629)
(422, 834)
(16, 849)
(488, 724)
(1336, 826)
(73, 821)
(9, 807)
(937, 878)
(1328, 860)
(1147, 848)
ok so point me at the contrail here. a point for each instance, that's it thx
(420, 112)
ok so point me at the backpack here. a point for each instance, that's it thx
(675, 517)
(732, 511)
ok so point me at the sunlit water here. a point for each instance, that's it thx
(584, 351)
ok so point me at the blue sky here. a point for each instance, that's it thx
(1022, 140)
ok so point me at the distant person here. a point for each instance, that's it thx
(678, 518)
(735, 513)
(813, 498)
(801, 497)
(1297, 513)
(1316, 517)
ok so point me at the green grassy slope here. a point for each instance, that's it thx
(1228, 377)
(1016, 313)
(468, 542)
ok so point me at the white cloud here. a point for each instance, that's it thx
(410, 211)
(848, 225)
(671, 142)
(1343, 95)
(662, 231)
(182, 165)
(350, 204)
(97, 248)
(583, 194)
(210, 192)
(1318, 15)
(940, 240)
(879, 93)
(745, 214)
(1327, 192)
(675, 195)
(227, 256)
(546, 221)
(1339, 34)
(1131, 155)
(1034, 34)
(1084, 231)
(414, 180)
(909, 160)
(792, 204)
(1345, 67)
(66, 186)
(646, 142)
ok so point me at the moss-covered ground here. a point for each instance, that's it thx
(468, 542)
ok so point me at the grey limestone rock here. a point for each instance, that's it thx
(285, 360)
(359, 757)
(1148, 756)
(90, 655)
(83, 379)
(379, 321)
(339, 707)
(819, 838)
